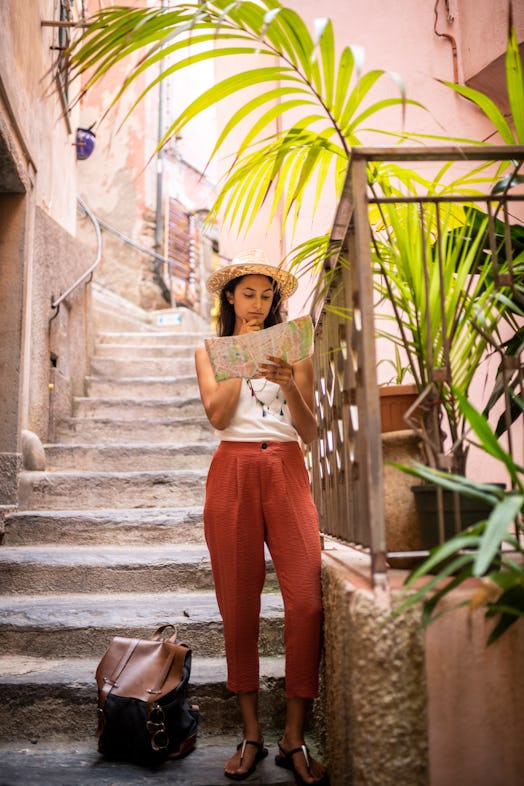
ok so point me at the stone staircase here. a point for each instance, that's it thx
(109, 541)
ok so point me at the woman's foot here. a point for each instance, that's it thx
(297, 758)
(244, 762)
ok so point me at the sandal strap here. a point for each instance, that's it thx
(243, 745)
(301, 749)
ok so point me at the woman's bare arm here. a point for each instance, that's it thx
(220, 399)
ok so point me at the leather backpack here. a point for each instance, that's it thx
(143, 714)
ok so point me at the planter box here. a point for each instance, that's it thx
(395, 400)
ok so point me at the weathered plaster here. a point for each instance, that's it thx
(60, 347)
(10, 465)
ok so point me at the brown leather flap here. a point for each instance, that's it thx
(141, 669)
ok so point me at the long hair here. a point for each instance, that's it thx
(226, 314)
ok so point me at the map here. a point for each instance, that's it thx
(241, 356)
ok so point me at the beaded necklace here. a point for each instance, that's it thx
(266, 405)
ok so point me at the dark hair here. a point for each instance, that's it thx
(226, 314)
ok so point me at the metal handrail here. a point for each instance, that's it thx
(56, 302)
(158, 257)
(100, 224)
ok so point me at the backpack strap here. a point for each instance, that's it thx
(173, 667)
(109, 681)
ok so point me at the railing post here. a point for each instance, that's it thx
(358, 278)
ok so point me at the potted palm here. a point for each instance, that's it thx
(439, 270)
(435, 273)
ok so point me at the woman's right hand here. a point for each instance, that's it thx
(250, 326)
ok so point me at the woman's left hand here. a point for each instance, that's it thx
(277, 370)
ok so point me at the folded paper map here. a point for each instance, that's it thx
(242, 356)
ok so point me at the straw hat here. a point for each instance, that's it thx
(249, 263)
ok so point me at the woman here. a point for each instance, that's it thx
(258, 492)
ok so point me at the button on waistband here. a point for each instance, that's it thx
(264, 445)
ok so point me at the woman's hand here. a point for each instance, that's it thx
(277, 370)
(250, 326)
(297, 384)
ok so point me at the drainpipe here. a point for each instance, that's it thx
(160, 160)
(450, 19)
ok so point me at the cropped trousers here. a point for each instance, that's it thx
(258, 492)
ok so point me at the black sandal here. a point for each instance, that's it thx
(285, 759)
(260, 754)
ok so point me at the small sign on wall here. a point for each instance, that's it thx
(169, 319)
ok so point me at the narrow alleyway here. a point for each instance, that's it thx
(109, 541)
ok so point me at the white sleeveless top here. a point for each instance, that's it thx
(261, 414)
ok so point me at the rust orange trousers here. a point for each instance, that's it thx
(258, 492)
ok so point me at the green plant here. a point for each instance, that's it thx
(491, 550)
(398, 365)
(320, 102)
(436, 276)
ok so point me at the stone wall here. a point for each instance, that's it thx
(412, 706)
(374, 692)
(60, 348)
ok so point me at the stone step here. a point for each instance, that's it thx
(184, 385)
(132, 408)
(140, 430)
(141, 366)
(73, 764)
(158, 338)
(76, 625)
(106, 317)
(28, 685)
(113, 312)
(147, 489)
(194, 455)
(101, 569)
(164, 349)
(135, 526)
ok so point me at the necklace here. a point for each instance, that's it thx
(265, 405)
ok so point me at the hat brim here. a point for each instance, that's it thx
(286, 282)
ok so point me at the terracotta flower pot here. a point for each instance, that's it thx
(395, 400)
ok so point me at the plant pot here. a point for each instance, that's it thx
(395, 400)
(426, 504)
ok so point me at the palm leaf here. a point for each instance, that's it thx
(515, 84)
(306, 68)
(487, 106)
(497, 526)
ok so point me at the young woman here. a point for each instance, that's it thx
(258, 492)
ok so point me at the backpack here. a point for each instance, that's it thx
(143, 715)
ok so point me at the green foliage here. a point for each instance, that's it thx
(491, 550)
(321, 102)
(436, 272)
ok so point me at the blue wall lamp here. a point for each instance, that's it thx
(84, 142)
